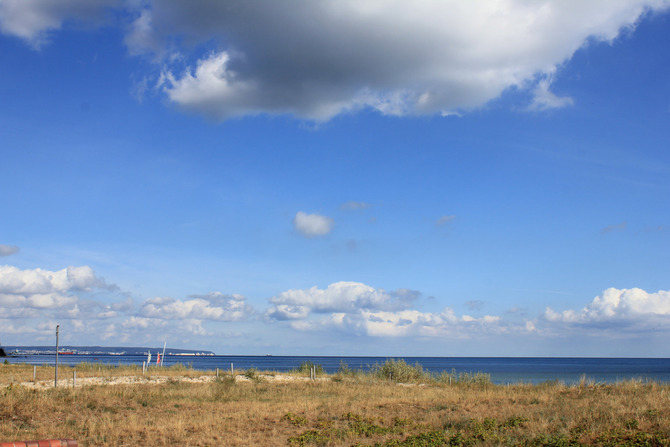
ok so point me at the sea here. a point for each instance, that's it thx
(502, 370)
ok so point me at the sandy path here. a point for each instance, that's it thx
(132, 380)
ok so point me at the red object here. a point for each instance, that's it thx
(45, 443)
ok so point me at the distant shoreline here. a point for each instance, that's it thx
(502, 370)
(143, 350)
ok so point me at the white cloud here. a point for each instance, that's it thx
(623, 306)
(65, 297)
(143, 323)
(213, 306)
(44, 289)
(357, 308)
(288, 312)
(343, 296)
(140, 38)
(543, 99)
(310, 225)
(213, 83)
(31, 20)
(410, 323)
(318, 59)
(8, 250)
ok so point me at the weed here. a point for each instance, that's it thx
(552, 441)
(631, 424)
(513, 422)
(294, 419)
(428, 439)
(310, 437)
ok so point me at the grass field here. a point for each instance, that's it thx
(346, 409)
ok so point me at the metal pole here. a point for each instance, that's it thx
(56, 379)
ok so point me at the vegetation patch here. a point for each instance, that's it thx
(361, 409)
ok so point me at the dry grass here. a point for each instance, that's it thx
(351, 410)
(21, 372)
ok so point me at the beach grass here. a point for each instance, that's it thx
(349, 408)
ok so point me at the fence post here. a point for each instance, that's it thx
(34, 373)
(217, 373)
(56, 377)
(232, 371)
(74, 379)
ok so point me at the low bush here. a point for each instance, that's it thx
(400, 371)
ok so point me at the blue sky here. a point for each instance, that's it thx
(337, 178)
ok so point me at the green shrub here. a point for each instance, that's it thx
(400, 371)
(306, 367)
(295, 419)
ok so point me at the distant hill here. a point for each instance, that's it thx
(99, 350)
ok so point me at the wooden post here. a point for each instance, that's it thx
(56, 377)
(232, 371)
(217, 373)
(34, 373)
(74, 379)
(144, 367)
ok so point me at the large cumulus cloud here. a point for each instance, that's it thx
(618, 310)
(316, 59)
(33, 289)
(364, 310)
(343, 296)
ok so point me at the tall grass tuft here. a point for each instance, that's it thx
(400, 371)
(306, 368)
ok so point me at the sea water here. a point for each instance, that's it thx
(502, 370)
